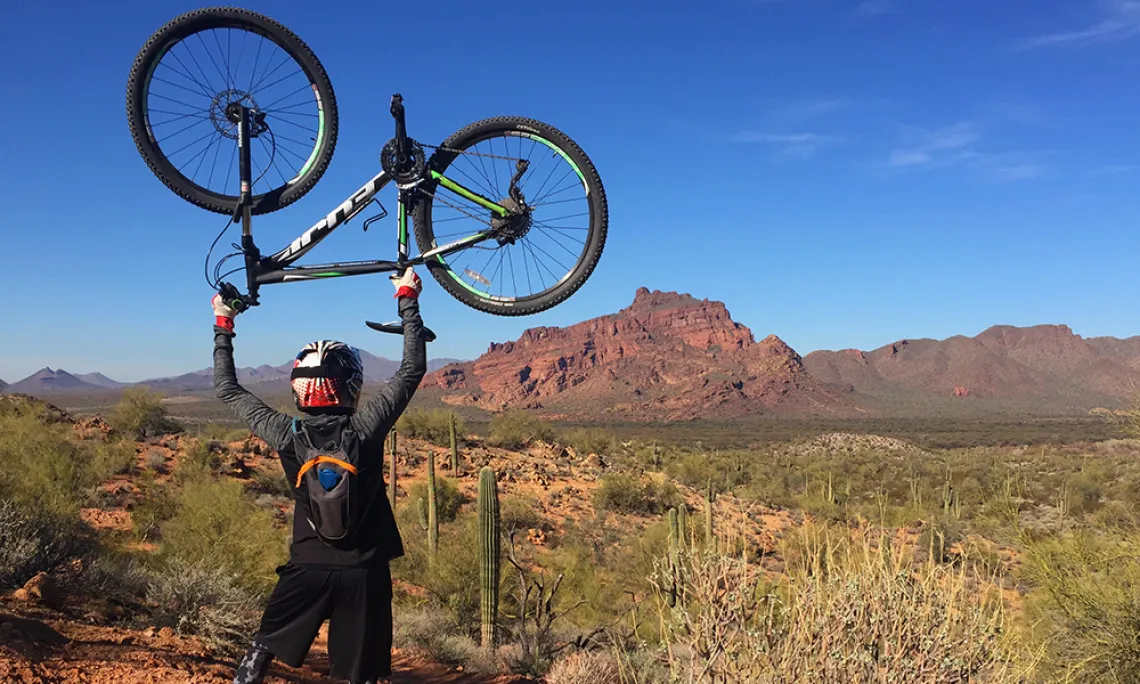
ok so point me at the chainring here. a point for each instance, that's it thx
(407, 170)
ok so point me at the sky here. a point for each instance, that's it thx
(842, 173)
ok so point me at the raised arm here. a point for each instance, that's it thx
(379, 414)
(268, 424)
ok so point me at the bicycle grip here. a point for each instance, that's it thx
(232, 297)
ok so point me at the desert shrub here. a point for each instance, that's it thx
(217, 524)
(451, 580)
(140, 414)
(516, 428)
(448, 498)
(434, 634)
(33, 540)
(585, 666)
(271, 481)
(628, 493)
(222, 433)
(517, 514)
(588, 440)
(1084, 603)
(204, 599)
(850, 612)
(430, 425)
(156, 505)
(112, 458)
(199, 461)
(45, 467)
(156, 461)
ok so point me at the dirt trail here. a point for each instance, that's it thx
(41, 650)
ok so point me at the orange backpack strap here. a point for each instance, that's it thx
(312, 463)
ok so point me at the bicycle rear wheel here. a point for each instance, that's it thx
(196, 65)
(553, 251)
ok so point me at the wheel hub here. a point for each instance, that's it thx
(225, 112)
(515, 225)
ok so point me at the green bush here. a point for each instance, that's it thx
(216, 523)
(156, 505)
(1084, 604)
(589, 441)
(46, 468)
(222, 433)
(140, 414)
(430, 425)
(515, 429)
(448, 498)
(628, 493)
(200, 460)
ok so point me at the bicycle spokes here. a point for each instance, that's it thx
(542, 237)
(191, 95)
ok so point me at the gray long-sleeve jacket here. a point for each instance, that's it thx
(380, 538)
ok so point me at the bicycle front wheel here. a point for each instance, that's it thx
(550, 253)
(186, 76)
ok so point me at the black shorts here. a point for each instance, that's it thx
(358, 605)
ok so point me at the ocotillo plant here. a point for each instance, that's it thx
(392, 477)
(429, 517)
(488, 554)
(454, 444)
(710, 496)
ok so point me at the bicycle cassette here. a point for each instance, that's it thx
(406, 170)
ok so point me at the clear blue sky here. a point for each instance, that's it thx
(840, 173)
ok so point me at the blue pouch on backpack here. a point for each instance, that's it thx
(328, 477)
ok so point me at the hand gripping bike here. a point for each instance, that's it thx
(509, 214)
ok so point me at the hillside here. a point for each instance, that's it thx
(1046, 364)
(47, 380)
(666, 355)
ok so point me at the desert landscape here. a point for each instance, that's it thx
(647, 462)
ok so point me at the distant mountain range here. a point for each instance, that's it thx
(670, 356)
(48, 380)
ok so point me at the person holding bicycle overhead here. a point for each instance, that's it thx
(344, 532)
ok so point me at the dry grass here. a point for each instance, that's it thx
(853, 609)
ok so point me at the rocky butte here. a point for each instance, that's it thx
(665, 356)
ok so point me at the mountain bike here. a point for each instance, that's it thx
(509, 214)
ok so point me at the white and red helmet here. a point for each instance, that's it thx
(327, 377)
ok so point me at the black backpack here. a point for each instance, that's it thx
(330, 478)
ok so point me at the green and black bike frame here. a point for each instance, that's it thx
(279, 268)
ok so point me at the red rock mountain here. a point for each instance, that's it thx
(1043, 363)
(667, 355)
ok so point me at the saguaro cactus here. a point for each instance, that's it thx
(454, 444)
(392, 477)
(682, 525)
(488, 554)
(392, 440)
(429, 511)
(675, 535)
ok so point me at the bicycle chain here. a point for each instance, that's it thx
(476, 154)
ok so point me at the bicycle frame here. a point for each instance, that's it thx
(279, 267)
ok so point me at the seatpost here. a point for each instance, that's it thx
(401, 129)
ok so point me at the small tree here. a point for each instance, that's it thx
(140, 414)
